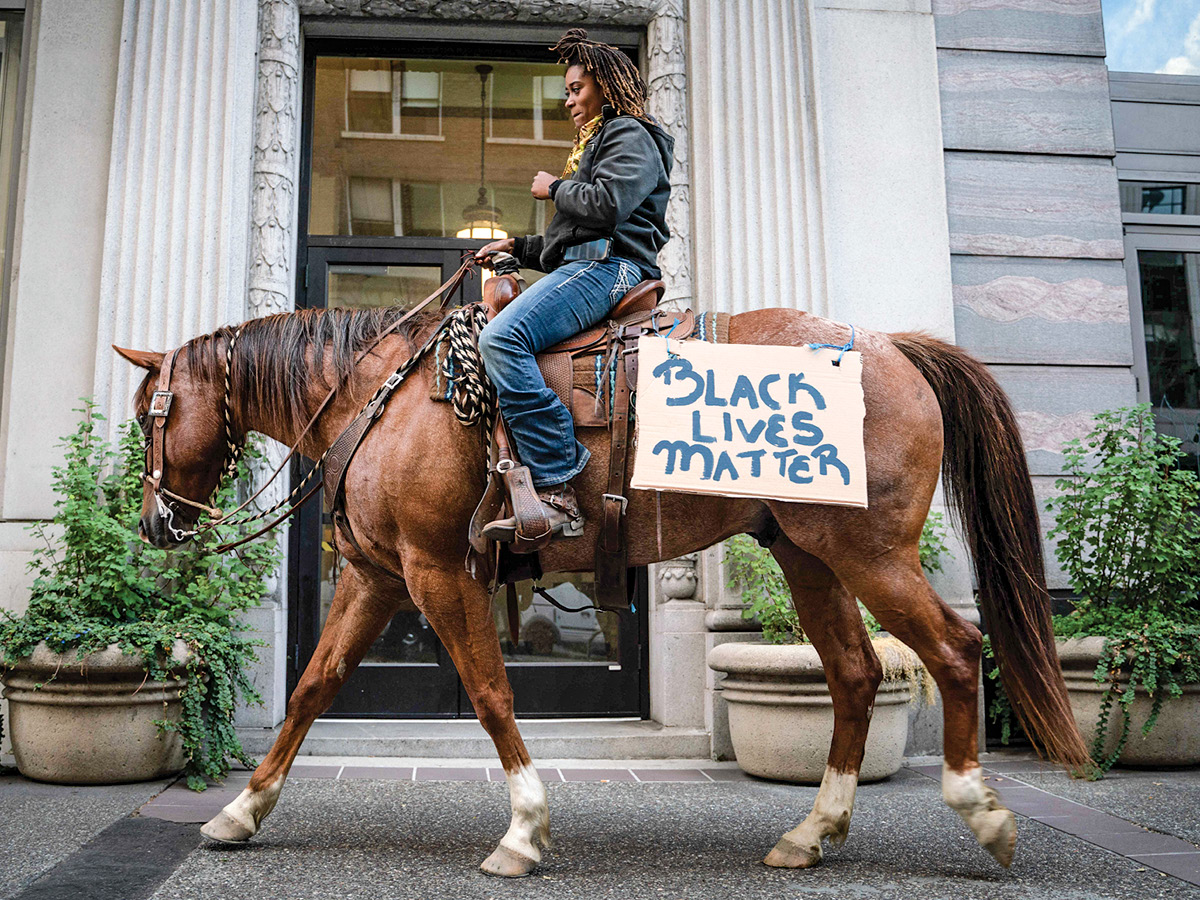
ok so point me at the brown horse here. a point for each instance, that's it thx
(413, 486)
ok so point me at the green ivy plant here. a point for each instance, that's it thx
(1128, 535)
(97, 583)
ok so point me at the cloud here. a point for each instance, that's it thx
(1142, 12)
(1189, 62)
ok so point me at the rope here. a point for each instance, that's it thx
(849, 345)
(472, 394)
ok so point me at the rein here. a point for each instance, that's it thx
(160, 407)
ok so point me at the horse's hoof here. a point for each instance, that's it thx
(997, 834)
(789, 855)
(226, 829)
(507, 863)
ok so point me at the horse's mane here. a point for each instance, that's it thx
(278, 359)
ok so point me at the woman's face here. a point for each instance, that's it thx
(584, 97)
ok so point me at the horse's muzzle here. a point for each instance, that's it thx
(152, 529)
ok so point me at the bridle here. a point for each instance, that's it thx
(159, 410)
(155, 432)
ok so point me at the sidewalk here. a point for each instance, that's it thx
(394, 828)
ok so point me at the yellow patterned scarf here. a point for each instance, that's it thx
(586, 133)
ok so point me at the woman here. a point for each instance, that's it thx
(610, 223)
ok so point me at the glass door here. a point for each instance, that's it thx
(410, 160)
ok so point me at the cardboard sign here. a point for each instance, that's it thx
(778, 423)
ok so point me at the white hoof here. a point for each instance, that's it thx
(506, 863)
(226, 829)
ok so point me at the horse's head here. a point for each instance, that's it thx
(182, 417)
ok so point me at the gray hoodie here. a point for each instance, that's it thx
(619, 191)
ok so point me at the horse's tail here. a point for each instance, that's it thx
(987, 479)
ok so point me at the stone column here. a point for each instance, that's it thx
(666, 43)
(177, 219)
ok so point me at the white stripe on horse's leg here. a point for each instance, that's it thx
(830, 818)
(530, 814)
(994, 826)
(518, 853)
(240, 820)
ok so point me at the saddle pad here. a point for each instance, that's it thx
(578, 378)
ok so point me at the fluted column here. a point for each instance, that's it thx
(177, 218)
(666, 42)
(757, 175)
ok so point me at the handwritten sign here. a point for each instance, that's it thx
(778, 423)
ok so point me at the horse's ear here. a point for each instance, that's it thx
(143, 359)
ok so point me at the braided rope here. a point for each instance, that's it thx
(473, 395)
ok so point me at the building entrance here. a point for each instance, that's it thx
(412, 161)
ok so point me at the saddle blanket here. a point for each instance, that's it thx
(770, 422)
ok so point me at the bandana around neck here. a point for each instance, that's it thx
(586, 133)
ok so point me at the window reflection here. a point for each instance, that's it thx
(397, 144)
(552, 635)
(1159, 199)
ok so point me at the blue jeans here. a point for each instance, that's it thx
(573, 297)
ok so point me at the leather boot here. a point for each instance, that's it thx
(561, 508)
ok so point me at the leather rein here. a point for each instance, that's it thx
(159, 411)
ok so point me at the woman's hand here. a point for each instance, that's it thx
(505, 245)
(541, 185)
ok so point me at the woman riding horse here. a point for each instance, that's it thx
(609, 225)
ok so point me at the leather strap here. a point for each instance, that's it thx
(612, 576)
(160, 406)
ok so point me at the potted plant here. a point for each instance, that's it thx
(128, 660)
(780, 710)
(1128, 532)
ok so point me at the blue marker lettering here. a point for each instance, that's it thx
(684, 370)
(755, 457)
(796, 383)
(808, 434)
(725, 464)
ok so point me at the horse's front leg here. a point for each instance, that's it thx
(459, 609)
(359, 612)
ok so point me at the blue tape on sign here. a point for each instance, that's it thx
(849, 345)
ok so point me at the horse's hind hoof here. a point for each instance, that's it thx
(789, 855)
(507, 863)
(226, 829)
(997, 834)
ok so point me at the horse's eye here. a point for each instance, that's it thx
(144, 423)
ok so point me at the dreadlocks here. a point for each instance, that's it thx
(614, 72)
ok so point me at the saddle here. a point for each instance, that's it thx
(594, 373)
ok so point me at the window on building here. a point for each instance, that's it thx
(1159, 199)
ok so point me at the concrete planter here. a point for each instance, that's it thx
(91, 721)
(781, 714)
(1175, 738)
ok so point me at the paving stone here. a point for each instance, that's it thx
(670, 775)
(448, 773)
(597, 775)
(387, 773)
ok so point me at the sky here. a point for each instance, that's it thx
(1153, 36)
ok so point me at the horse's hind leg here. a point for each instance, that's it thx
(459, 609)
(894, 588)
(357, 616)
(830, 618)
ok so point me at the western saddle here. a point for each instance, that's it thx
(594, 373)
